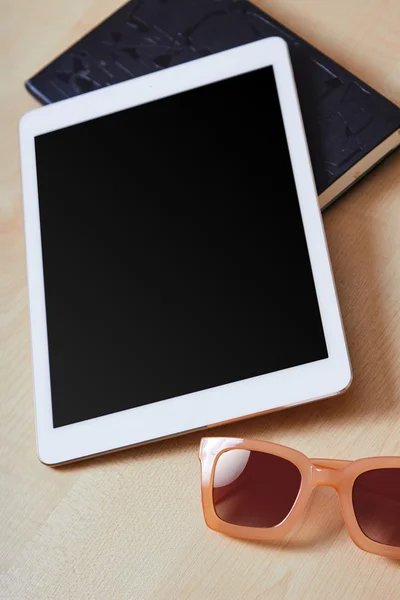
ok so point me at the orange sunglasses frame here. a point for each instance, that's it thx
(338, 474)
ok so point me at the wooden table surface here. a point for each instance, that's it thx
(129, 526)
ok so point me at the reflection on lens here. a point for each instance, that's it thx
(376, 502)
(254, 489)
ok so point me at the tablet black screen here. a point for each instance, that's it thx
(173, 248)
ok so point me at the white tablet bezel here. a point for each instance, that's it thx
(216, 405)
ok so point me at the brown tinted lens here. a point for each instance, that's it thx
(376, 502)
(254, 489)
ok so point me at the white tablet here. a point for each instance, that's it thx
(177, 265)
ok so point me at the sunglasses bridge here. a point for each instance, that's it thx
(327, 472)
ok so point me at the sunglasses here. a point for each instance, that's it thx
(258, 490)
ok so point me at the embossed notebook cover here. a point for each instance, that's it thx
(345, 119)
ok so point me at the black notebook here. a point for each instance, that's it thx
(349, 126)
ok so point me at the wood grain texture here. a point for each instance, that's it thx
(129, 526)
